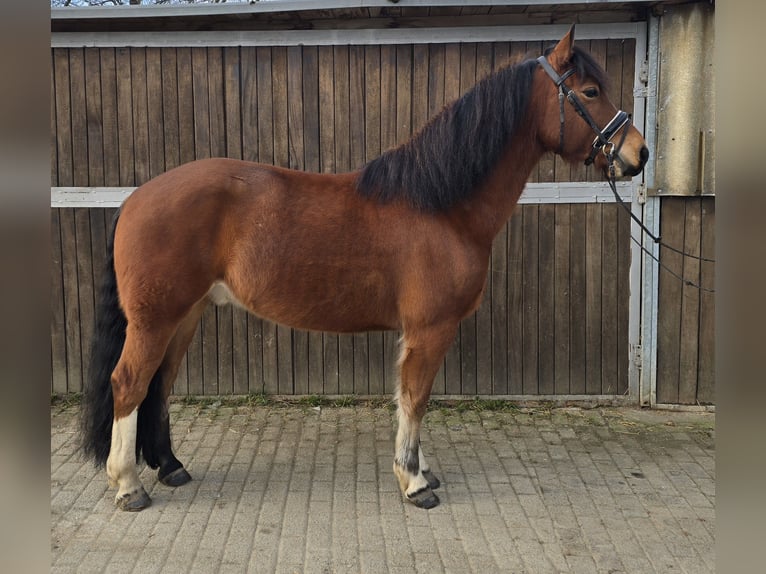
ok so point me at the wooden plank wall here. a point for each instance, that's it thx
(555, 318)
(685, 318)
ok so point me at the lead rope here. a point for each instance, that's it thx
(613, 186)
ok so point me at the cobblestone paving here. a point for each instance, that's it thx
(299, 489)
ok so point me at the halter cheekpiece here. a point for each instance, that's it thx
(603, 137)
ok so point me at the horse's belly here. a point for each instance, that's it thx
(331, 309)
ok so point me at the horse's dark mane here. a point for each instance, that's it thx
(455, 151)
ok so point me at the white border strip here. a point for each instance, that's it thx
(342, 37)
(262, 7)
(534, 193)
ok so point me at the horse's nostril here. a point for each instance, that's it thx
(644, 155)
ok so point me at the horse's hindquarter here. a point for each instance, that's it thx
(304, 250)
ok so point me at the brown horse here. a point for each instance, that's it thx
(404, 244)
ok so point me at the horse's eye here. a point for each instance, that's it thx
(590, 93)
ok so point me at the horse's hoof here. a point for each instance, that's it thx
(433, 482)
(133, 501)
(423, 498)
(176, 478)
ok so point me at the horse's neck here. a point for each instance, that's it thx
(485, 214)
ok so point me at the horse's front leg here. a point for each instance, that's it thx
(421, 355)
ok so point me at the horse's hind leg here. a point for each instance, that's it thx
(422, 354)
(171, 470)
(141, 357)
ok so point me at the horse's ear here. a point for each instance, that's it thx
(562, 53)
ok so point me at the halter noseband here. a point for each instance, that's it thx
(603, 137)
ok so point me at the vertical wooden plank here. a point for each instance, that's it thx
(577, 297)
(483, 60)
(598, 51)
(670, 301)
(420, 86)
(185, 105)
(140, 114)
(546, 298)
(201, 103)
(58, 318)
(109, 117)
(74, 367)
(155, 111)
(593, 264)
(94, 117)
(252, 93)
(81, 276)
(498, 297)
(63, 118)
(216, 102)
(279, 106)
(706, 365)
(436, 79)
(404, 94)
(209, 352)
(530, 294)
(295, 106)
(78, 116)
(516, 302)
(168, 61)
(325, 63)
(98, 241)
(690, 305)
(501, 55)
(609, 299)
(53, 141)
(561, 299)
(341, 110)
(124, 83)
(357, 157)
(311, 108)
(342, 142)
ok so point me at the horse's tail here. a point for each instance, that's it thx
(97, 411)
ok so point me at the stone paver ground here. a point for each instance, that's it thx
(298, 489)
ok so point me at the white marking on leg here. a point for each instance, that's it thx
(121, 464)
(411, 479)
(422, 459)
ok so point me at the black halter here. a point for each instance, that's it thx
(603, 137)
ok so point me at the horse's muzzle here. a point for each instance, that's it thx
(626, 169)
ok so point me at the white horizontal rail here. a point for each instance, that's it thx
(565, 192)
(341, 37)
